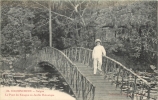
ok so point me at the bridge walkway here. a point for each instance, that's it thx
(104, 90)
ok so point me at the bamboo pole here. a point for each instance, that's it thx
(0, 35)
(50, 25)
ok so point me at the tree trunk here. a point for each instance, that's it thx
(0, 34)
(50, 25)
(157, 30)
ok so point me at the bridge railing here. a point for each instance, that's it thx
(129, 82)
(80, 85)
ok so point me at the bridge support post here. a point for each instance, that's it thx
(50, 25)
(117, 83)
(93, 93)
(82, 88)
(148, 93)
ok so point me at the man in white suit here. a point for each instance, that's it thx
(97, 54)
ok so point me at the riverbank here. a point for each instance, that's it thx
(48, 78)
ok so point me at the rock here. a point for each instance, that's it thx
(44, 81)
(44, 77)
(19, 75)
(28, 79)
(22, 85)
(61, 89)
(52, 80)
(35, 78)
(152, 67)
(33, 81)
(19, 81)
(156, 71)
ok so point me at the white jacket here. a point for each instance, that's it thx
(98, 52)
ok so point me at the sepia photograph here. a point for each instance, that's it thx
(78, 50)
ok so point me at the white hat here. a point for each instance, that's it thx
(97, 40)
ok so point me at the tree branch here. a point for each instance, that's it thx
(41, 25)
(55, 12)
(85, 9)
(71, 4)
(40, 4)
(63, 16)
(75, 8)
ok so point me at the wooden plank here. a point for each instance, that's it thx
(104, 90)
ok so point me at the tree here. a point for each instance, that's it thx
(78, 23)
(134, 26)
(69, 21)
(17, 33)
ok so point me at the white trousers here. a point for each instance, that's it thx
(97, 63)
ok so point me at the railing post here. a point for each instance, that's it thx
(93, 93)
(69, 51)
(106, 68)
(117, 83)
(76, 79)
(71, 74)
(72, 55)
(89, 58)
(148, 93)
(65, 52)
(79, 81)
(84, 61)
(75, 54)
(79, 54)
(135, 85)
(83, 92)
(122, 83)
(63, 66)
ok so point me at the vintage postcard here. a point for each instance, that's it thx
(78, 50)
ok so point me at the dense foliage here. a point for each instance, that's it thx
(131, 25)
(16, 34)
(134, 29)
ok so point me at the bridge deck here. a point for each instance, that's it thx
(104, 90)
